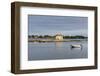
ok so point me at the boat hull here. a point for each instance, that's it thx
(76, 46)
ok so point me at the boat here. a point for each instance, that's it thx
(76, 46)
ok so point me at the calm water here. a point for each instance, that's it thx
(56, 50)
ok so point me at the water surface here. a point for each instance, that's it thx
(56, 50)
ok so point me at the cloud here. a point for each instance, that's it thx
(52, 24)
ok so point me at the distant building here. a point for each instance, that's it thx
(59, 37)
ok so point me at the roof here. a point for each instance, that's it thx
(59, 34)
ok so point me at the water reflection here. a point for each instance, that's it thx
(56, 50)
(61, 44)
(58, 44)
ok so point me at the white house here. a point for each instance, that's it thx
(59, 37)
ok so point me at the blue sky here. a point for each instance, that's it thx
(51, 25)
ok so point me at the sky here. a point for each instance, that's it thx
(51, 25)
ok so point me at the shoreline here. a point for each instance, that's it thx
(54, 40)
